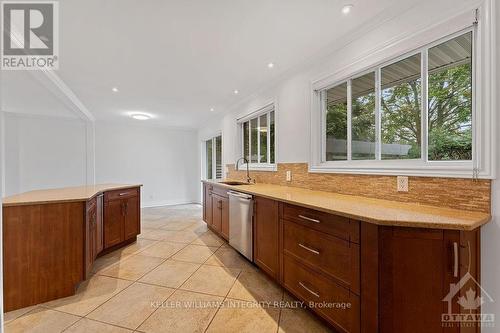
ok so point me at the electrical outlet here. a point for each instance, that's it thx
(402, 184)
(288, 176)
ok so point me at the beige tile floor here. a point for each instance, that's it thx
(177, 277)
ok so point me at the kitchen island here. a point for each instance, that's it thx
(52, 237)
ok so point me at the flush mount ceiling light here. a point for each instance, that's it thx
(347, 9)
(270, 65)
(114, 89)
(236, 92)
(140, 116)
(212, 109)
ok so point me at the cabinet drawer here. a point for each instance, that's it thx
(331, 255)
(335, 303)
(331, 224)
(121, 194)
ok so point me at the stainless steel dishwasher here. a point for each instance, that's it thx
(240, 223)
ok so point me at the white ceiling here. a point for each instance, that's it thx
(176, 59)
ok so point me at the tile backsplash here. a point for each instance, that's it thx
(458, 193)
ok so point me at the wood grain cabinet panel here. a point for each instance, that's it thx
(338, 305)
(43, 252)
(100, 224)
(216, 213)
(333, 256)
(207, 204)
(114, 223)
(266, 237)
(132, 217)
(334, 225)
(225, 218)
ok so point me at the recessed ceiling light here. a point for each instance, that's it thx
(270, 65)
(236, 92)
(114, 89)
(140, 116)
(347, 9)
(212, 109)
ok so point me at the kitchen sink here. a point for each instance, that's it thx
(234, 183)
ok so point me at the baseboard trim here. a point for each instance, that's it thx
(170, 203)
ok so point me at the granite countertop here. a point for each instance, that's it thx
(377, 211)
(66, 194)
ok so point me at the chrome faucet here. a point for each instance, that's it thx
(249, 180)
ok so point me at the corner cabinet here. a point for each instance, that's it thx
(122, 216)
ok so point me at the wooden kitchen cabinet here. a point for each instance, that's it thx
(93, 232)
(418, 271)
(122, 216)
(216, 213)
(266, 237)
(50, 245)
(394, 278)
(225, 218)
(207, 204)
(99, 224)
(132, 212)
(114, 226)
(216, 210)
(90, 235)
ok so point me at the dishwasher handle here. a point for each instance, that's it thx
(239, 195)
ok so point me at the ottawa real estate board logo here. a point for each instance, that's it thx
(30, 35)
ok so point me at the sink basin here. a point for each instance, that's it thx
(233, 183)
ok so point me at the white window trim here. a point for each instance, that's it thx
(212, 137)
(484, 149)
(267, 108)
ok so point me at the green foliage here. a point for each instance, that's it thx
(449, 123)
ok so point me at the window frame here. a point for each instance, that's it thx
(482, 163)
(265, 110)
(213, 138)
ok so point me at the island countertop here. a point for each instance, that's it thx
(66, 194)
(377, 211)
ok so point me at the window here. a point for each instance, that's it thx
(213, 158)
(411, 112)
(258, 138)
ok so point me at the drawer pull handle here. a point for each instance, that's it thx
(309, 219)
(122, 194)
(455, 259)
(308, 249)
(309, 290)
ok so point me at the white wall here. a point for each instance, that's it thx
(43, 152)
(165, 161)
(293, 92)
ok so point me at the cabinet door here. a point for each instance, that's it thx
(207, 205)
(90, 219)
(99, 231)
(131, 217)
(225, 218)
(113, 222)
(266, 238)
(216, 213)
(413, 271)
